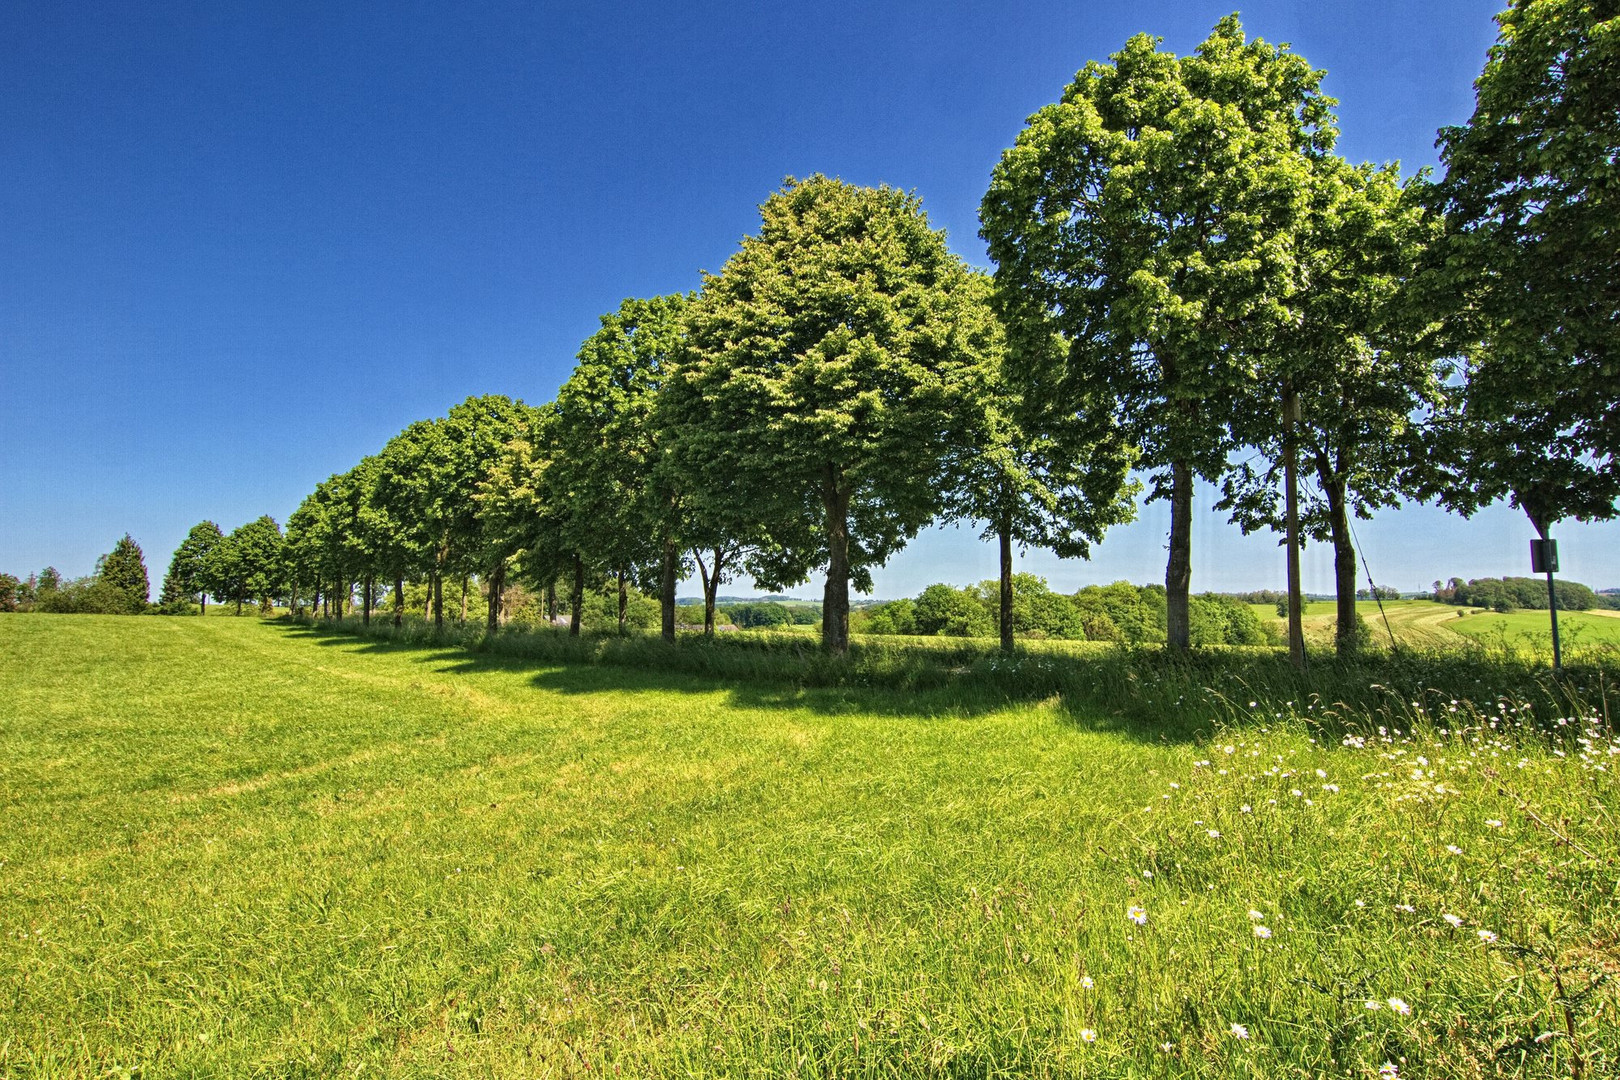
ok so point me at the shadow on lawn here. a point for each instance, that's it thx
(1143, 693)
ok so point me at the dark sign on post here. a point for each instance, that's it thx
(1544, 556)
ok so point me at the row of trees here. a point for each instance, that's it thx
(1189, 284)
(119, 586)
(1513, 593)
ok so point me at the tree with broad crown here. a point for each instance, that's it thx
(124, 569)
(249, 564)
(830, 362)
(1528, 274)
(1038, 477)
(186, 574)
(1148, 219)
(609, 448)
(1352, 357)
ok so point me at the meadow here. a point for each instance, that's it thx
(239, 847)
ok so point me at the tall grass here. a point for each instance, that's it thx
(1177, 695)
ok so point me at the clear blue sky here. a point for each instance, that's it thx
(241, 245)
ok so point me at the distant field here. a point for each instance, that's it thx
(232, 848)
(1430, 624)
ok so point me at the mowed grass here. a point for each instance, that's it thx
(1430, 625)
(231, 847)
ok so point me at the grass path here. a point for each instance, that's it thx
(235, 848)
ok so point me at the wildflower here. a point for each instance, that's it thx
(1295, 792)
(1086, 983)
(1373, 1006)
(1261, 932)
(1493, 823)
(1255, 915)
(1388, 1071)
(1137, 915)
(1167, 1046)
(1454, 849)
(1399, 1007)
(1246, 809)
(1239, 1031)
(1214, 834)
(1408, 908)
(1253, 704)
(1088, 1035)
(1454, 920)
(1321, 774)
(1487, 937)
(1148, 874)
(1330, 788)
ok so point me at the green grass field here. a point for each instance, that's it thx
(1426, 624)
(231, 847)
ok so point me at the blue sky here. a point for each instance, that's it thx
(243, 245)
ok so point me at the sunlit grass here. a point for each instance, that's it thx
(235, 848)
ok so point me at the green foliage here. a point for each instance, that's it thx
(188, 573)
(1149, 220)
(11, 592)
(1512, 593)
(1223, 620)
(894, 617)
(249, 564)
(756, 615)
(1528, 277)
(951, 612)
(122, 571)
(1037, 611)
(829, 374)
(1122, 612)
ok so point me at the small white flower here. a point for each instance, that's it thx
(1361, 903)
(1148, 874)
(1388, 1071)
(1087, 1035)
(1239, 1031)
(1399, 1006)
(1454, 849)
(1167, 1046)
(1262, 932)
(1295, 792)
(1253, 704)
(1408, 908)
(1086, 983)
(1493, 823)
(1487, 937)
(1214, 834)
(1137, 915)
(1245, 809)
(1321, 774)
(1454, 920)
(1255, 915)
(1374, 1006)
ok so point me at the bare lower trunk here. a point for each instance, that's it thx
(438, 601)
(1347, 625)
(399, 602)
(551, 602)
(497, 589)
(624, 600)
(710, 576)
(666, 590)
(1296, 614)
(1178, 571)
(202, 599)
(835, 598)
(365, 601)
(1005, 531)
(463, 619)
(576, 599)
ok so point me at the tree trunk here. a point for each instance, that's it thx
(1178, 571)
(710, 576)
(551, 602)
(666, 589)
(365, 601)
(239, 606)
(577, 597)
(202, 599)
(438, 601)
(497, 585)
(1004, 528)
(427, 605)
(399, 602)
(835, 598)
(463, 619)
(624, 600)
(1347, 621)
(1296, 619)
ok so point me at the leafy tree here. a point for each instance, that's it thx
(248, 564)
(757, 615)
(1528, 277)
(1122, 612)
(123, 570)
(609, 447)
(1039, 476)
(11, 590)
(825, 382)
(950, 612)
(1148, 218)
(1351, 359)
(894, 617)
(187, 568)
(1035, 611)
